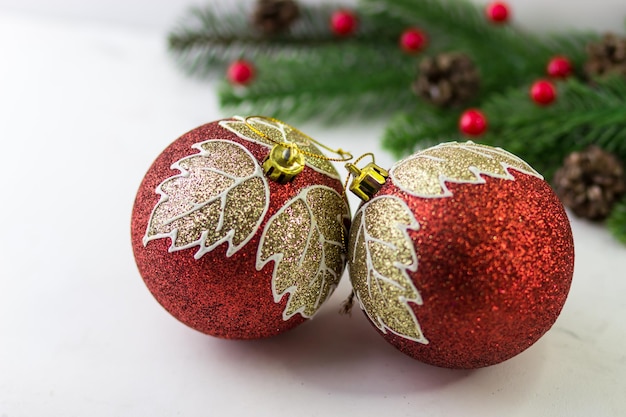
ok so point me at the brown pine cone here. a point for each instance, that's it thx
(447, 80)
(590, 182)
(606, 57)
(275, 16)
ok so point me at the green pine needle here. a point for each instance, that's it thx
(582, 115)
(423, 127)
(504, 55)
(209, 37)
(616, 222)
(327, 83)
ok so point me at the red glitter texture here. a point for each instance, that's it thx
(218, 295)
(495, 264)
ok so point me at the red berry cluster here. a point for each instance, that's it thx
(473, 122)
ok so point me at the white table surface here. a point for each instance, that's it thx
(84, 109)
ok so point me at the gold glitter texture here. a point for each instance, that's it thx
(221, 195)
(425, 173)
(380, 254)
(304, 239)
(281, 133)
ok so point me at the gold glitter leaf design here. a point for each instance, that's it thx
(282, 133)
(304, 239)
(221, 195)
(425, 173)
(380, 255)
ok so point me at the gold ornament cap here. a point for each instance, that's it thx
(287, 159)
(367, 180)
(283, 163)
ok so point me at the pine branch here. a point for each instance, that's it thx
(327, 83)
(334, 79)
(440, 18)
(211, 36)
(504, 55)
(423, 127)
(616, 222)
(308, 72)
(582, 115)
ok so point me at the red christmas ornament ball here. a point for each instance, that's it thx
(219, 244)
(543, 92)
(559, 67)
(497, 12)
(343, 23)
(413, 40)
(240, 72)
(473, 122)
(464, 258)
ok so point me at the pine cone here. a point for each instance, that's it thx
(590, 182)
(606, 57)
(274, 16)
(447, 80)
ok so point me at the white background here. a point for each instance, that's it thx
(159, 14)
(88, 98)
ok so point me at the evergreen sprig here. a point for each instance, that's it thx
(583, 114)
(616, 222)
(504, 55)
(209, 37)
(308, 72)
(328, 84)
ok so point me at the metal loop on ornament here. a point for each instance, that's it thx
(345, 156)
(359, 159)
(368, 180)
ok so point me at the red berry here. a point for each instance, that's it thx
(559, 67)
(413, 40)
(240, 72)
(343, 23)
(543, 92)
(497, 12)
(473, 122)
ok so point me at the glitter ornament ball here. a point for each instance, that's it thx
(463, 258)
(227, 250)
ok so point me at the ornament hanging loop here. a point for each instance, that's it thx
(344, 156)
(284, 162)
(367, 180)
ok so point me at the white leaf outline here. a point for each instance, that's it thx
(469, 146)
(277, 257)
(373, 274)
(184, 173)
